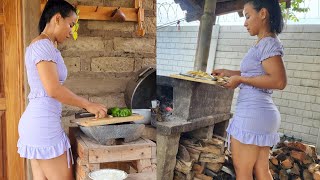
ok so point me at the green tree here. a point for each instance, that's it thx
(288, 13)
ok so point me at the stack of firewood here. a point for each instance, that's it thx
(294, 160)
(201, 160)
(206, 160)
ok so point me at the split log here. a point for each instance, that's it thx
(308, 149)
(228, 159)
(207, 149)
(316, 175)
(274, 174)
(283, 175)
(211, 149)
(308, 160)
(198, 168)
(183, 153)
(184, 167)
(192, 142)
(203, 177)
(274, 161)
(313, 167)
(190, 176)
(214, 141)
(194, 154)
(180, 176)
(306, 174)
(296, 160)
(298, 155)
(296, 145)
(295, 170)
(273, 167)
(276, 152)
(228, 171)
(295, 178)
(282, 156)
(212, 158)
(219, 137)
(287, 163)
(215, 167)
(313, 152)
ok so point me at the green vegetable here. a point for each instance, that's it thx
(119, 112)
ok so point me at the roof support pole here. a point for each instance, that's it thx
(204, 37)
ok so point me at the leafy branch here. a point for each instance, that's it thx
(289, 13)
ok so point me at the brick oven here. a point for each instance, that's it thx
(199, 109)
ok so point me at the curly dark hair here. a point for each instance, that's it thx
(53, 7)
(273, 7)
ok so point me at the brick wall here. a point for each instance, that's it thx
(102, 60)
(299, 102)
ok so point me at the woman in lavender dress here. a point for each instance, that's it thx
(253, 129)
(42, 139)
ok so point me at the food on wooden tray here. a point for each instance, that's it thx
(222, 80)
(203, 75)
(119, 112)
(200, 74)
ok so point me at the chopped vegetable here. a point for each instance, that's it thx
(119, 112)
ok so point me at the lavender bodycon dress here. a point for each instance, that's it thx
(256, 119)
(40, 129)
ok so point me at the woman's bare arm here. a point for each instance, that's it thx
(49, 77)
(275, 77)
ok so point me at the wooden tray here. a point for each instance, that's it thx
(194, 79)
(104, 121)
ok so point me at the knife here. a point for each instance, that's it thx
(83, 115)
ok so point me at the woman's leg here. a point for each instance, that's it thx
(57, 168)
(261, 167)
(244, 157)
(37, 172)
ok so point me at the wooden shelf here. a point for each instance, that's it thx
(102, 13)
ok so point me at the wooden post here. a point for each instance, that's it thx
(204, 37)
(13, 80)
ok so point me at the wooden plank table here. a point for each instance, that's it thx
(177, 76)
(91, 121)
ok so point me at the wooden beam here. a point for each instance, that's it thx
(204, 36)
(14, 86)
(2, 104)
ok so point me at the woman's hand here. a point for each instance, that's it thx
(99, 110)
(233, 82)
(225, 72)
(219, 72)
